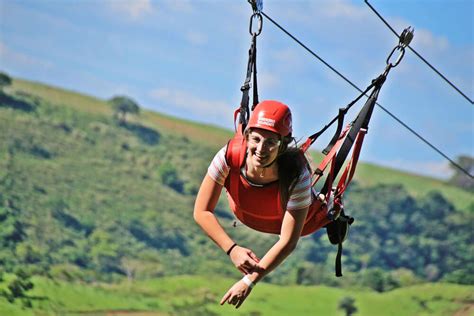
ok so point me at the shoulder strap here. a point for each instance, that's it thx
(235, 155)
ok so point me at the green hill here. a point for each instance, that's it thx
(367, 174)
(84, 198)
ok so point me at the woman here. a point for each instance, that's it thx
(270, 191)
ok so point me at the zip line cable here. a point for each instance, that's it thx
(419, 56)
(358, 89)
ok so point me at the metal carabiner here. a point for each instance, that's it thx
(399, 47)
(258, 16)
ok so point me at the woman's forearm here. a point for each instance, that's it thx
(210, 225)
(206, 201)
(272, 259)
(289, 237)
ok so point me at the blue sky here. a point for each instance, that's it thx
(188, 59)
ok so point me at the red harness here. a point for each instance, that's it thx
(260, 207)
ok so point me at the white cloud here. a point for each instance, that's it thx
(192, 103)
(196, 38)
(335, 14)
(132, 9)
(267, 81)
(341, 9)
(9, 57)
(429, 40)
(424, 40)
(289, 59)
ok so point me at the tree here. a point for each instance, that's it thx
(123, 105)
(347, 304)
(5, 80)
(459, 178)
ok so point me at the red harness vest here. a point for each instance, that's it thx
(259, 207)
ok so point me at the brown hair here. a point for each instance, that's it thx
(291, 163)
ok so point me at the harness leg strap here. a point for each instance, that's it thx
(339, 252)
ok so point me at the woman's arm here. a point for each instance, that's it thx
(206, 201)
(244, 259)
(291, 228)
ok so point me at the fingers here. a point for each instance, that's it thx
(246, 261)
(233, 300)
(242, 299)
(249, 265)
(225, 297)
(254, 257)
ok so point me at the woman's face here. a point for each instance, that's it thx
(262, 147)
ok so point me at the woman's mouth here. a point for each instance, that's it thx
(260, 158)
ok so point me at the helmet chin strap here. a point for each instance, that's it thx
(276, 158)
(271, 163)
(262, 174)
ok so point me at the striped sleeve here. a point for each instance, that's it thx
(218, 169)
(301, 196)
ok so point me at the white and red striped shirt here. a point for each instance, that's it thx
(300, 197)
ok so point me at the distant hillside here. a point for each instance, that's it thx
(367, 174)
(86, 197)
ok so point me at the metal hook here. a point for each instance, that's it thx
(406, 36)
(257, 5)
(404, 40)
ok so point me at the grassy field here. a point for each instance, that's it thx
(193, 295)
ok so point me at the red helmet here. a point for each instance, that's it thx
(272, 116)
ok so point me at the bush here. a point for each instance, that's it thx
(169, 177)
(347, 304)
(5, 80)
(379, 280)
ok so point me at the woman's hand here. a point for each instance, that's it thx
(244, 259)
(237, 294)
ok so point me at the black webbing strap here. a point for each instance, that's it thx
(339, 251)
(343, 221)
(337, 134)
(361, 121)
(311, 139)
(255, 88)
(251, 67)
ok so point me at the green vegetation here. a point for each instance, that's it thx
(94, 207)
(195, 295)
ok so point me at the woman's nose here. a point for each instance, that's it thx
(261, 146)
